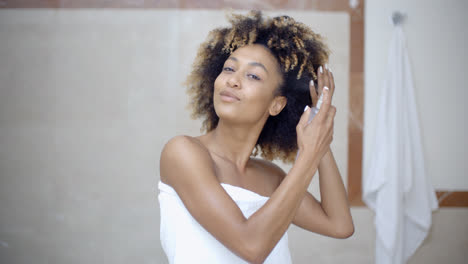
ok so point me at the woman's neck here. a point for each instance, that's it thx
(234, 142)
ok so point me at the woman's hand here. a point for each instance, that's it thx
(314, 138)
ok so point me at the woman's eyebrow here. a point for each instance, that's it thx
(253, 63)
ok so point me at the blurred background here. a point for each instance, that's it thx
(90, 91)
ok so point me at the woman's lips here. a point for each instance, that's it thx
(228, 96)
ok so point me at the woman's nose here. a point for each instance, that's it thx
(233, 81)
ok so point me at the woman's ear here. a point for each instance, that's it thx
(279, 102)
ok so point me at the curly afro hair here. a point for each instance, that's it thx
(299, 52)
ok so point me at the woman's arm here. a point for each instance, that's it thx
(334, 198)
(331, 216)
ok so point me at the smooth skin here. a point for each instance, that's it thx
(244, 98)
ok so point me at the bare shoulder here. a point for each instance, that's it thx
(274, 173)
(182, 152)
(181, 142)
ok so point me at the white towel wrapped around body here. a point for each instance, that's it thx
(184, 240)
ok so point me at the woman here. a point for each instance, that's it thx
(250, 83)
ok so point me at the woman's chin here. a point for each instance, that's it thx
(226, 110)
(226, 115)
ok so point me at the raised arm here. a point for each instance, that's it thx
(331, 216)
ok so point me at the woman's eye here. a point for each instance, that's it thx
(255, 77)
(228, 69)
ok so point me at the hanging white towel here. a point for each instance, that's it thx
(395, 186)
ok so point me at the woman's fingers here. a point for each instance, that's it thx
(320, 79)
(331, 114)
(332, 81)
(326, 86)
(313, 93)
(304, 118)
(326, 81)
(326, 102)
(319, 134)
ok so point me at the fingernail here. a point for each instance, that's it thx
(329, 69)
(325, 89)
(306, 107)
(326, 66)
(312, 82)
(320, 69)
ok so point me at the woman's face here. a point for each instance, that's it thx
(245, 90)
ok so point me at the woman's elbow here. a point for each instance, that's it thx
(344, 231)
(256, 260)
(255, 253)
